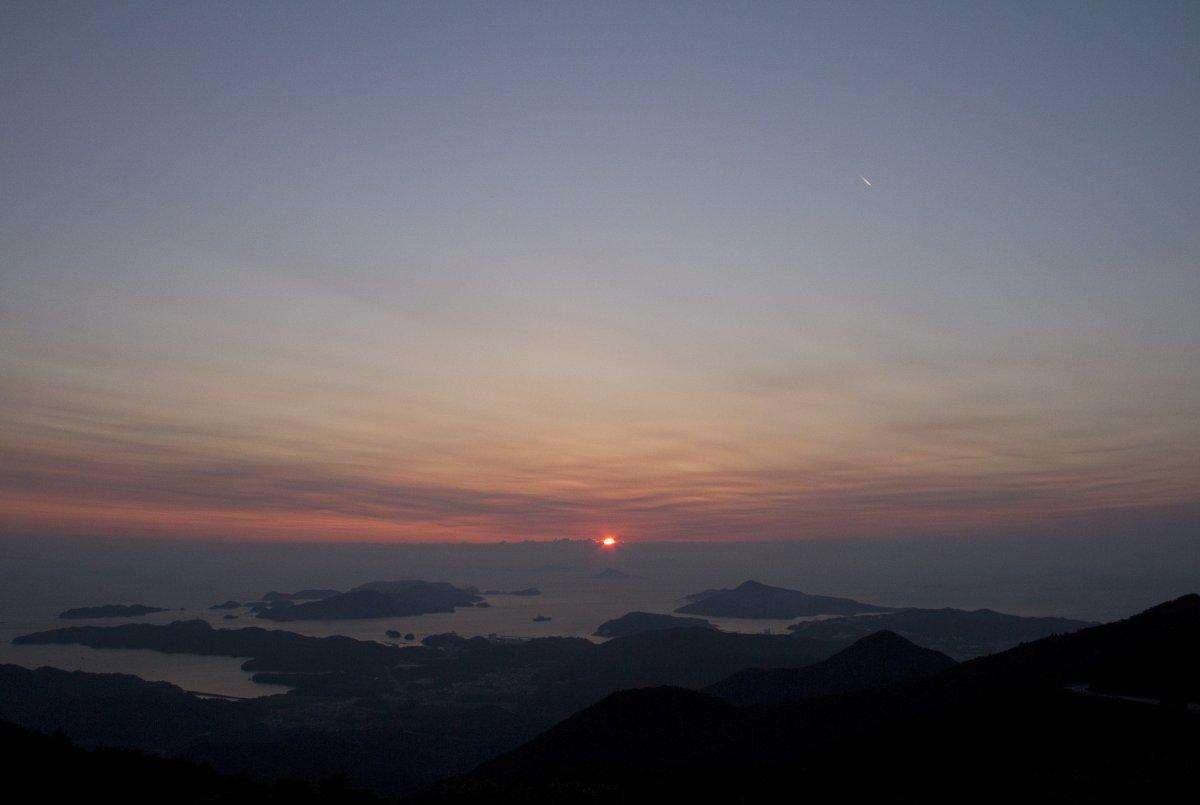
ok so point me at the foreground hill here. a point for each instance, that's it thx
(959, 633)
(52, 769)
(376, 740)
(884, 658)
(392, 719)
(998, 729)
(751, 599)
(691, 658)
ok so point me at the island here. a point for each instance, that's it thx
(613, 573)
(300, 595)
(754, 600)
(377, 599)
(528, 591)
(110, 611)
(635, 622)
(227, 605)
(269, 649)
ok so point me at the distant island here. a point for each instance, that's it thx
(300, 595)
(754, 600)
(959, 633)
(110, 611)
(227, 605)
(394, 634)
(528, 591)
(377, 599)
(635, 622)
(613, 573)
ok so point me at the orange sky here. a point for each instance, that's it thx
(562, 271)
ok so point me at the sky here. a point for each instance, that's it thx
(453, 271)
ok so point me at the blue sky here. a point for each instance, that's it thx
(448, 270)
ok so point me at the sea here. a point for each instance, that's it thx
(583, 584)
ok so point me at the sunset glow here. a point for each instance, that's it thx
(479, 402)
(533, 294)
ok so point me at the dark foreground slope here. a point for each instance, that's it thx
(44, 768)
(884, 658)
(391, 719)
(385, 742)
(998, 729)
(691, 658)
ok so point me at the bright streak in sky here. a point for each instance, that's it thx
(401, 272)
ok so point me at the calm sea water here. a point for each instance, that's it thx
(1091, 579)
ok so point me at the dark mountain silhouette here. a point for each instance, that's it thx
(754, 600)
(391, 718)
(691, 658)
(959, 633)
(106, 709)
(884, 658)
(1154, 654)
(634, 622)
(110, 611)
(1033, 723)
(1003, 728)
(379, 599)
(377, 743)
(46, 768)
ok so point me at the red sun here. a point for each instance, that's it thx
(608, 541)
